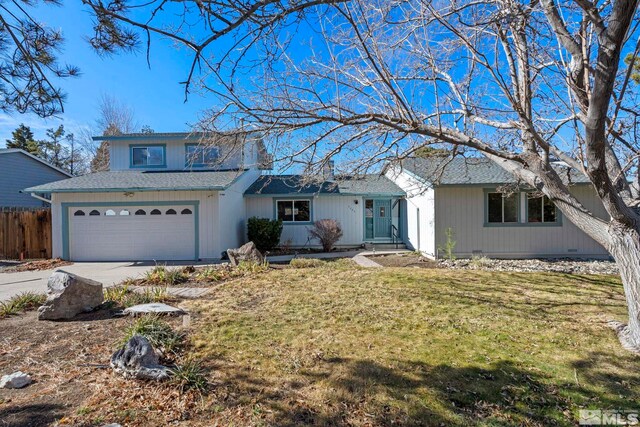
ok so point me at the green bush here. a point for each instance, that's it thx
(264, 233)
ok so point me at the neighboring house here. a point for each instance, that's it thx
(463, 195)
(172, 197)
(18, 170)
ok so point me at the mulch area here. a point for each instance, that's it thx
(68, 361)
(36, 265)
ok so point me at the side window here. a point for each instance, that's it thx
(152, 155)
(540, 209)
(294, 210)
(201, 155)
(502, 208)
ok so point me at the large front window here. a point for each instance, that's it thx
(502, 208)
(540, 209)
(152, 155)
(201, 155)
(294, 210)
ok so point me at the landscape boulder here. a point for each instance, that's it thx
(16, 380)
(247, 252)
(69, 295)
(137, 359)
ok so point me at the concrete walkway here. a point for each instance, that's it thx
(358, 256)
(108, 273)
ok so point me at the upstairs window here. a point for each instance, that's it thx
(148, 156)
(502, 208)
(201, 155)
(540, 209)
(294, 210)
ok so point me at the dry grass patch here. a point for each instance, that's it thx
(345, 346)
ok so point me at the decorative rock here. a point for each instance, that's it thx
(16, 380)
(556, 265)
(137, 359)
(154, 307)
(247, 252)
(112, 425)
(69, 295)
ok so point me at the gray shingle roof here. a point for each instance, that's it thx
(295, 184)
(472, 171)
(141, 181)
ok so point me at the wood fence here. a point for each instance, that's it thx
(25, 234)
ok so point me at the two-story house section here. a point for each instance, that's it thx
(167, 196)
(180, 196)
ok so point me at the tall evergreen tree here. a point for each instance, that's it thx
(22, 138)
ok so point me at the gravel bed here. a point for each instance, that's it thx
(556, 265)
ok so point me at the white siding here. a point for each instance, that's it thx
(175, 152)
(342, 208)
(232, 217)
(462, 209)
(419, 212)
(209, 241)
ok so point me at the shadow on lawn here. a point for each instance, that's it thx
(531, 295)
(363, 392)
(34, 415)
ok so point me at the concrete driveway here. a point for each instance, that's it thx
(109, 273)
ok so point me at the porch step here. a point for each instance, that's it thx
(384, 246)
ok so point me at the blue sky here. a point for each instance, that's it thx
(155, 94)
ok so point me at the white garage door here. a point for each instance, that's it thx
(132, 233)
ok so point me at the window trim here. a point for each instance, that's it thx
(485, 196)
(187, 164)
(522, 222)
(164, 156)
(294, 199)
(556, 223)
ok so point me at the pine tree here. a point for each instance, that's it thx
(22, 138)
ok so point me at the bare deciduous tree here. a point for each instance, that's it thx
(114, 118)
(376, 80)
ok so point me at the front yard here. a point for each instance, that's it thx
(340, 345)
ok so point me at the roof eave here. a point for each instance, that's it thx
(124, 189)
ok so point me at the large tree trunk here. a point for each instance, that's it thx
(625, 248)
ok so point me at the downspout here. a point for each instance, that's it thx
(35, 196)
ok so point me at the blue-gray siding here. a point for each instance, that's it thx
(19, 171)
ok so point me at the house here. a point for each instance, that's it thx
(178, 196)
(19, 169)
(487, 213)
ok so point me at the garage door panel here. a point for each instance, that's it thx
(132, 237)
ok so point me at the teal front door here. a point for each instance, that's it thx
(377, 219)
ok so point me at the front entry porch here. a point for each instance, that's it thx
(382, 220)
